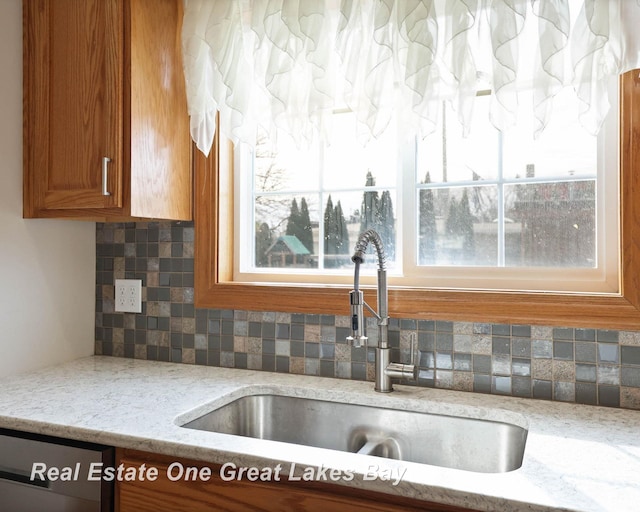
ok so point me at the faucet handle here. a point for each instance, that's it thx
(406, 371)
(402, 371)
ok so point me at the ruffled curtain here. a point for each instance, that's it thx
(287, 64)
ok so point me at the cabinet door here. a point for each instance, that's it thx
(74, 102)
(194, 494)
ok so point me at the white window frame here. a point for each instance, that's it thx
(603, 279)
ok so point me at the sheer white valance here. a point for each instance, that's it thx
(288, 64)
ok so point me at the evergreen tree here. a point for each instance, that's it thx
(459, 226)
(387, 225)
(306, 233)
(377, 213)
(369, 218)
(336, 234)
(263, 242)
(451, 225)
(329, 230)
(293, 222)
(465, 220)
(342, 236)
(299, 223)
(427, 227)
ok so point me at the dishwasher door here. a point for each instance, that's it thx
(73, 493)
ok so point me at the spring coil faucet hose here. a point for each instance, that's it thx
(369, 236)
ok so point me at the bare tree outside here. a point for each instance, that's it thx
(269, 176)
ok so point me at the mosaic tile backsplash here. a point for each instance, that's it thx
(587, 366)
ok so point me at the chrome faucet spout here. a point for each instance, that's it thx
(385, 369)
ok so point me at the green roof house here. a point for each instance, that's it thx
(288, 251)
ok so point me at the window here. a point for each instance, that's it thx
(303, 209)
(486, 211)
(216, 286)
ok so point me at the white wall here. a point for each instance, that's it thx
(47, 267)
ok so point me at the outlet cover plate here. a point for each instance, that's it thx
(128, 295)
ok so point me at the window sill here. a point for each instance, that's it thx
(604, 312)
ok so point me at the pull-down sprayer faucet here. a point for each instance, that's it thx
(385, 369)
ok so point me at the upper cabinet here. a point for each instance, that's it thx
(106, 130)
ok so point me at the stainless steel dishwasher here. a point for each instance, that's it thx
(70, 490)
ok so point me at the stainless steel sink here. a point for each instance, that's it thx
(449, 441)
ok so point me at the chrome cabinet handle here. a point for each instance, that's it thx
(105, 174)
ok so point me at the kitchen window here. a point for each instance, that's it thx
(491, 210)
(217, 286)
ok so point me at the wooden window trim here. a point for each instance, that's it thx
(214, 258)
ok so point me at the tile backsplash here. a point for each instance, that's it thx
(587, 366)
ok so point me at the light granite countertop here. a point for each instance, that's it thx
(579, 458)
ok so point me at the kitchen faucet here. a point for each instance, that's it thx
(385, 369)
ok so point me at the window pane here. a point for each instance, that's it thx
(377, 212)
(340, 225)
(449, 156)
(553, 224)
(563, 149)
(346, 162)
(541, 211)
(322, 197)
(279, 165)
(458, 226)
(286, 231)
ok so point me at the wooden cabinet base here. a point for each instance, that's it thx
(200, 494)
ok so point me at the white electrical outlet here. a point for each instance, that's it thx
(129, 295)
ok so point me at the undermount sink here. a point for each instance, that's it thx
(457, 442)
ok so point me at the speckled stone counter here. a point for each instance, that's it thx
(580, 458)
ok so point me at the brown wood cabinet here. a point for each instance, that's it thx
(106, 130)
(142, 495)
